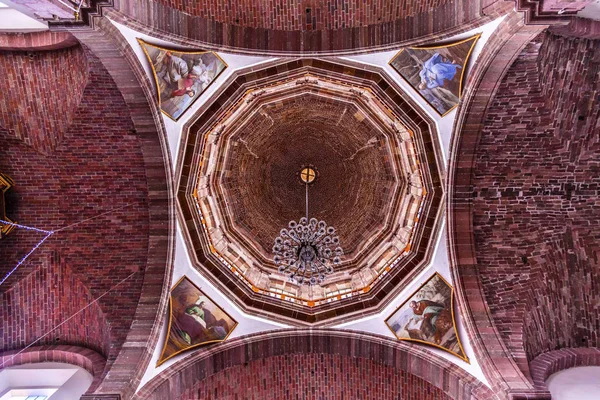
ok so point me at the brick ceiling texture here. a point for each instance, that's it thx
(536, 189)
(279, 378)
(95, 165)
(303, 26)
(353, 191)
(82, 136)
(295, 15)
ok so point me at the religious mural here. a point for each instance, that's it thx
(194, 320)
(180, 76)
(427, 316)
(436, 72)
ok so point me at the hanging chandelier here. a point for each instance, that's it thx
(307, 250)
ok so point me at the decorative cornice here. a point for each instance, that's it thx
(87, 15)
(549, 12)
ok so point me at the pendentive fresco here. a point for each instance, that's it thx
(427, 317)
(181, 76)
(194, 320)
(437, 72)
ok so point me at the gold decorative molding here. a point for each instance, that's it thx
(5, 184)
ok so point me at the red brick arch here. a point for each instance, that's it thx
(137, 90)
(499, 367)
(116, 155)
(82, 357)
(423, 373)
(555, 361)
(42, 112)
(522, 249)
(340, 27)
(37, 41)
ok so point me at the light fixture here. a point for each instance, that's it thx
(307, 250)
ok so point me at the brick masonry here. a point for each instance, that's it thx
(98, 166)
(131, 80)
(279, 361)
(36, 41)
(304, 26)
(82, 357)
(356, 182)
(43, 300)
(313, 377)
(290, 15)
(48, 86)
(535, 193)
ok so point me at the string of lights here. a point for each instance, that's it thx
(48, 234)
(22, 260)
(68, 319)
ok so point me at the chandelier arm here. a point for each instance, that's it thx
(306, 200)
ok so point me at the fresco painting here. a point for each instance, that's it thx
(427, 317)
(194, 320)
(437, 73)
(181, 76)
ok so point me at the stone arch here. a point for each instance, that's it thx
(335, 33)
(551, 362)
(499, 367)
(119, 78)
(37, 41)
(113, 50)
(82, 357)
(432, 371)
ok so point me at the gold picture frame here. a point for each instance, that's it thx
(401, 311)
(186, 56)
(162, 358)
(428, 94)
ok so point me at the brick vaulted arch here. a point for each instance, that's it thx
(500, 52)
(120, 61)
(425, 375)
(305, 27)
(522, 274)
(82, 357)
(117, 267)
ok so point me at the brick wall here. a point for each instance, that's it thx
(303, 26)
(46, 88)
(535, 185)
(353, 191)
(337, 364)
(97, 167)
(313, 377)
(290, 15)
(43, 300)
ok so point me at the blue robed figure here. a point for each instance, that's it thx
(435, 71)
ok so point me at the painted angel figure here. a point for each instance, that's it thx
(435, 71)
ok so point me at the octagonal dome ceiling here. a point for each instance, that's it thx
(378, 185)
(357, 178)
